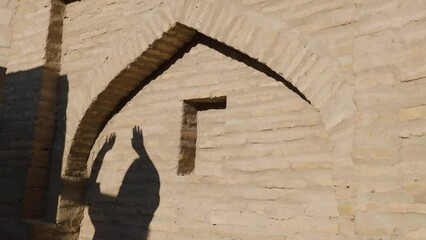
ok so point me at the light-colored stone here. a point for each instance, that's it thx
(6, 15)
(5, 36)
(412, 113)
(346, 163)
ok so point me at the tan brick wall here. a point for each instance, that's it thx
(361, 63)
(27, 117)
(389, 66)
(294, 59)
(263, 165)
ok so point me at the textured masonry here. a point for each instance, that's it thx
(247, 163)
(348, 163)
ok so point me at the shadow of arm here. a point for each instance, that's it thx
(92, 186)
(74, 193)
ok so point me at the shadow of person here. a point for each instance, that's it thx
(128, 215)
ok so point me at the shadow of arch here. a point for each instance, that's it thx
(162, 54)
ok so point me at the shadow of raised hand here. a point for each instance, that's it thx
(97, 164)
(137, 140)
(109, 142)
(129, 214)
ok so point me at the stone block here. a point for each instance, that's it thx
(413, 153)
(412, 113)
(6, 15)
(376, 152)
(376, 224)
(5, 36)
(417, 234)
(323, 209)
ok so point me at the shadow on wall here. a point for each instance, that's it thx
(57, 152)
(26, 97)
(114, 218)
(128, 215)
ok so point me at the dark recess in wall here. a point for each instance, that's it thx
(188, 137)
(70, 1)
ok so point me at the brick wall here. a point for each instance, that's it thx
(336, 31)
(27, 117)
(263, 165)
(389, 66)
(360, 63)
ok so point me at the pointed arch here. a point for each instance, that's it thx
(310, 76)
(148, 66)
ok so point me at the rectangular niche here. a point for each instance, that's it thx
(188, 137)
